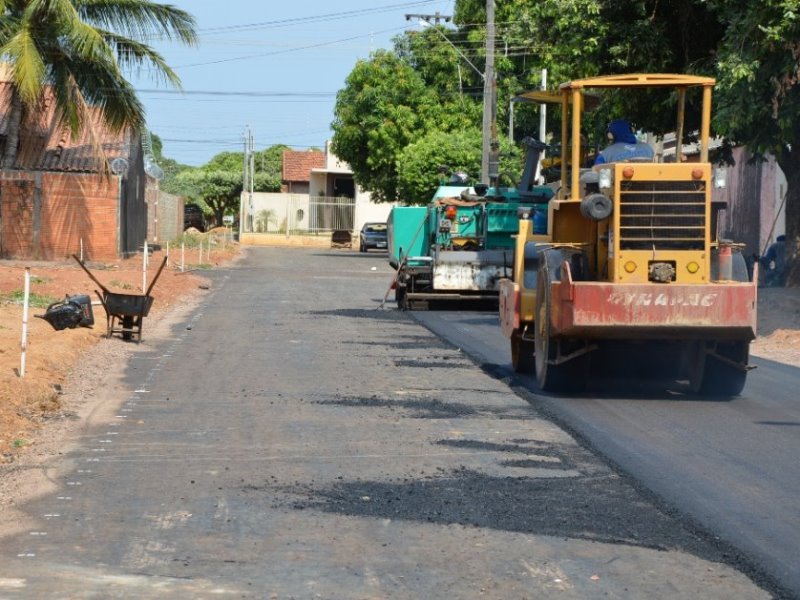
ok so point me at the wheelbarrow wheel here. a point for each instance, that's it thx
(127, 325)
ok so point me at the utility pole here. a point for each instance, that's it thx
(435, 18)
(244, 215)
(489, 150)
(252, 170)
(248, 177)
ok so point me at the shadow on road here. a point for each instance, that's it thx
(394, 316)
(431, 408)
(602, 509)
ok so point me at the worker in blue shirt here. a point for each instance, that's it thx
(624, 144)
(774, 262)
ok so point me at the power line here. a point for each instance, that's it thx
(315, 18)
(242, 93)
(276, 52)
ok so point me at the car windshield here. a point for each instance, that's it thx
(375, 228)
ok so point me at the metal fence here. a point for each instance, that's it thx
(327, 214)
(300, 214)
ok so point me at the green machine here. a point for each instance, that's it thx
(461, 244)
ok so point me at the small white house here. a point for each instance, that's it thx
(319, 194)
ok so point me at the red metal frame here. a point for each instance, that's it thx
(725, 310)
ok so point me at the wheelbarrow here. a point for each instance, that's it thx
(124, 312)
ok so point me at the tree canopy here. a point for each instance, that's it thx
(217, 185)
(397, 99)
(384, 106)
(758, 93)
(428, 162)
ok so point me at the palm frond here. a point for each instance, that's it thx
(140, 19)
(88, 43)
(80, 48)
(71, 107)
(132, 54)
(100, 85)
(28, 68)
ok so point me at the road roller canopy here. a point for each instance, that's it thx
(572, 94)
(639, 80)
(588, 101)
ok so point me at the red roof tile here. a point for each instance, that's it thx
(297, 165)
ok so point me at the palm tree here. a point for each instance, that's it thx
(80, 48)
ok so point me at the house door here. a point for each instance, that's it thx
(344, 187)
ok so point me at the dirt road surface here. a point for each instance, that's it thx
(281, 438)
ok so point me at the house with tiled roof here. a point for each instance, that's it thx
(296, 169)
(67, 193)
(319, 195)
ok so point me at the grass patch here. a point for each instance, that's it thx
(189, 240)
(20, 443)
(123, 285)
(37, 279)
(36, 300)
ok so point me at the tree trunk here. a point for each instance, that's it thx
(14, 126)
(789, 162)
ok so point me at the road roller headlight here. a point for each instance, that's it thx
(629, 266)
(693, 267)
(606, 178)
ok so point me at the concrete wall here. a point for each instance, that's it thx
(47, 215)
(296, 209)
(267, 212)
(368, 211)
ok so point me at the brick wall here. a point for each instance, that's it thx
(46, 215)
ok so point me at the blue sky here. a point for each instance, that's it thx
(272, 66)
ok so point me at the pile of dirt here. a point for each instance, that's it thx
(28, 403)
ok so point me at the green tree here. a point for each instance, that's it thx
(584, 38)
(383, 107)
(425, 164)
(218, 191)
(217, 185)
(80, 48)
(270, 160)
(758, 93)
(170, 166)
(449, 70)
(226, 161)
(267, 163)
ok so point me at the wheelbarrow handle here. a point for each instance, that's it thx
(89, 273)
(152, 283)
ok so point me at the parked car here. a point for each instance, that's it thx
(373, 235)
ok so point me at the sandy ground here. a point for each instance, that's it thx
(778, 325)
(58, 362)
